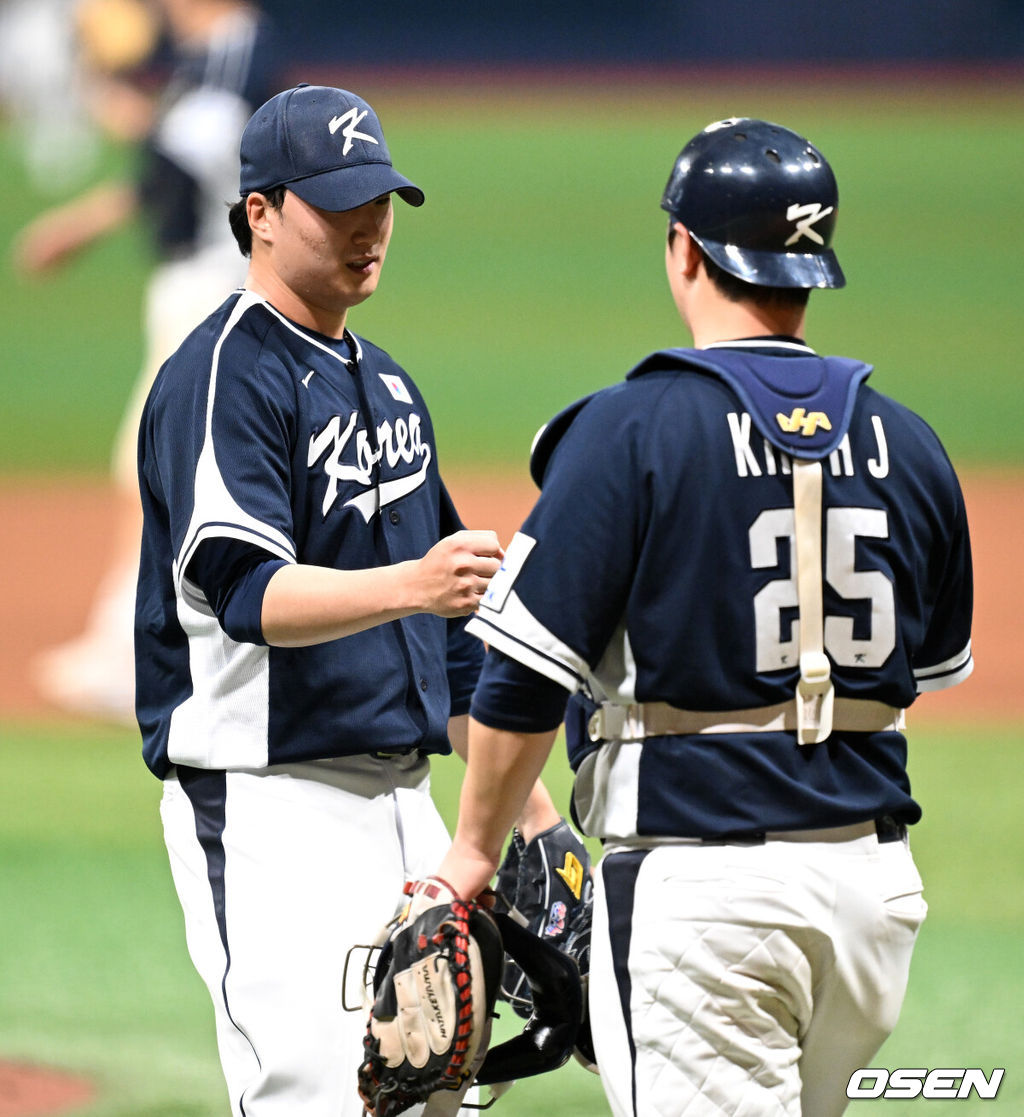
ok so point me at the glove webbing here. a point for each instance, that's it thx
(459, 962)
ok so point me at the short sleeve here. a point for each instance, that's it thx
(945, 657)
(218, 440)
(563, 587)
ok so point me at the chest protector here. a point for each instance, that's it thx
(802, 405)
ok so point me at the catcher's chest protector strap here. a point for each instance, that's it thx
(611, 722)
(815, 694)
(803, 406)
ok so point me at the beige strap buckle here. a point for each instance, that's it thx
(610, 722)
(815, 699)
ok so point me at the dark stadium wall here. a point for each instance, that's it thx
(656, 31)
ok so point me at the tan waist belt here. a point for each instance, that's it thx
(659, 719)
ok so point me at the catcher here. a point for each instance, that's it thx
(447, 960)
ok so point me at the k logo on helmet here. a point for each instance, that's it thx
(805, 217)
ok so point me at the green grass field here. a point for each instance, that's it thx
(535, 270)
(533, 274)
(94, 975)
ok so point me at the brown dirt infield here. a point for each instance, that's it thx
(56, 534)
(32, 1091)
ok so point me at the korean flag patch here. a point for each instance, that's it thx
(396, 386)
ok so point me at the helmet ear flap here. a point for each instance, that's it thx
(550, 1035)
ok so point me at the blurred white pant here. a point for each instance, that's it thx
(95, 672)
(749, 980)
(279, 873)
(179, 295)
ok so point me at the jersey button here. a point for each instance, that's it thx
(395, 516)
(423, 684)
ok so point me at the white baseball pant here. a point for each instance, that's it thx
(279, 872)
(749, 980)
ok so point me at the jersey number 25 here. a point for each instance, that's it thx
(843, 526)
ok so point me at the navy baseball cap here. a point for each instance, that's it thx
(325, 145)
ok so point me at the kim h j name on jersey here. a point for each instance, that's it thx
(797, 399)
(759, 457)
(800, 406)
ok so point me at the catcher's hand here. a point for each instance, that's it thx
(435, 987)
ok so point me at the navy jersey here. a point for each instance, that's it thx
(658, 566)
(264, 433)
(189, 160)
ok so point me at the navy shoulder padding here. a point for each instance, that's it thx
(801, 404)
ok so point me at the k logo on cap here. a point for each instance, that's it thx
(293, 141)
(350, 120)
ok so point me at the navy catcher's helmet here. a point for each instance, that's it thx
(760, 201)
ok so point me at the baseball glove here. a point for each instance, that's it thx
(547, 883)
(434, 991)
(551, 1034)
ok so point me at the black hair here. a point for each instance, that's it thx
(238, 217)
(739, 290)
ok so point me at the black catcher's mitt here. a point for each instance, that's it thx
(547, 882)
(435, 986)
(552, 1032)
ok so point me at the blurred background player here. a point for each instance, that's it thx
(48, 50)
(221, 62)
